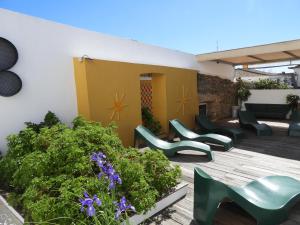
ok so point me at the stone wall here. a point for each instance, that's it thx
(219, 94)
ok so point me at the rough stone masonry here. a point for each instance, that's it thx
(219, 95)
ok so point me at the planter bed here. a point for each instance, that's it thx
(9, 215)
(83, 174)
(179, 192)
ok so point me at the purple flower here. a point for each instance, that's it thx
(107, 170)
(89, 203)
(99, 158)
(122, 207)
(113, 180)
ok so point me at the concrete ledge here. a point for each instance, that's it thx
(180, 192)
(8, 215)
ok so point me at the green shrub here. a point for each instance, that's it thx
(150, 122)
(243, 92)
(292, 100)
(160, 174)
(49, 121)
(48, 167)
(269, 84)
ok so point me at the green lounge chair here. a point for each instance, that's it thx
(207, 126)
(184, 133)
(267, 199)
(248, 120)
(294, 128)
(169, 149)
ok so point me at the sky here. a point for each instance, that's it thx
(193, 26)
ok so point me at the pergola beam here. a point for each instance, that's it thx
(291, 54)
(256, 58)
(274, 52)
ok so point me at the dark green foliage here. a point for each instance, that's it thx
(48, 169)
(19, 145)
(149, 121)
(292, 100)
(269, 84)
(49, 121)
(243, 92)
(160, 175)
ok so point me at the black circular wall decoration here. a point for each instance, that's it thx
(8, 54)
(10, 83)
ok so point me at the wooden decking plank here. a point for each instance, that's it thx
(252, 158)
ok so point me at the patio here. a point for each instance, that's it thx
(252, 158)
(105, 83)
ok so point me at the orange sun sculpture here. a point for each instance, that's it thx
(182, 101)
(118, 106)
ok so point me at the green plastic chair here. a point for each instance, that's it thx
(169, 149)
(184, 133)
(248, 120)
(206, 126)
(268, 199)
(294, 128)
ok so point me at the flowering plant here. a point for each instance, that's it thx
(55, 172)
(89, 202)
(109, 173)
(106, 170)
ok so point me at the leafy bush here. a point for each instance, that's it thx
(51, 171)
(269, 84)
(49, 121)
(292, 100)
(243, 92)
(150, 122)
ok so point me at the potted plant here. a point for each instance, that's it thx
(242, 94)
(293, 100)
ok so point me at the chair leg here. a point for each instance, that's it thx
(274, 218)
(234, 137)
(204, 214)
(207, 198)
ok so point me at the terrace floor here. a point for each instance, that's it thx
(252, 158)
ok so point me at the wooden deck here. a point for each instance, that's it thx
(252, 158)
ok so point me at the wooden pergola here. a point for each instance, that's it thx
(261, 54)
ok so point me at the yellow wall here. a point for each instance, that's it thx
(100, 83)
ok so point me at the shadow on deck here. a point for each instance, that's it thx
(279, 144)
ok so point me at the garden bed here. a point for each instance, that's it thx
(179, 192)
(13, 217)
(84, 175)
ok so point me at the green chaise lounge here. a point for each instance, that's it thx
(248, 120)
(184, 133)
(207, 126)
(169, 149)
(294, 128)
(267, 199)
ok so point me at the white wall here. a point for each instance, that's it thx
(224, 71)
(45, 66)
(271, 96)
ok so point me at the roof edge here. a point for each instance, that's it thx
(251, 50)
